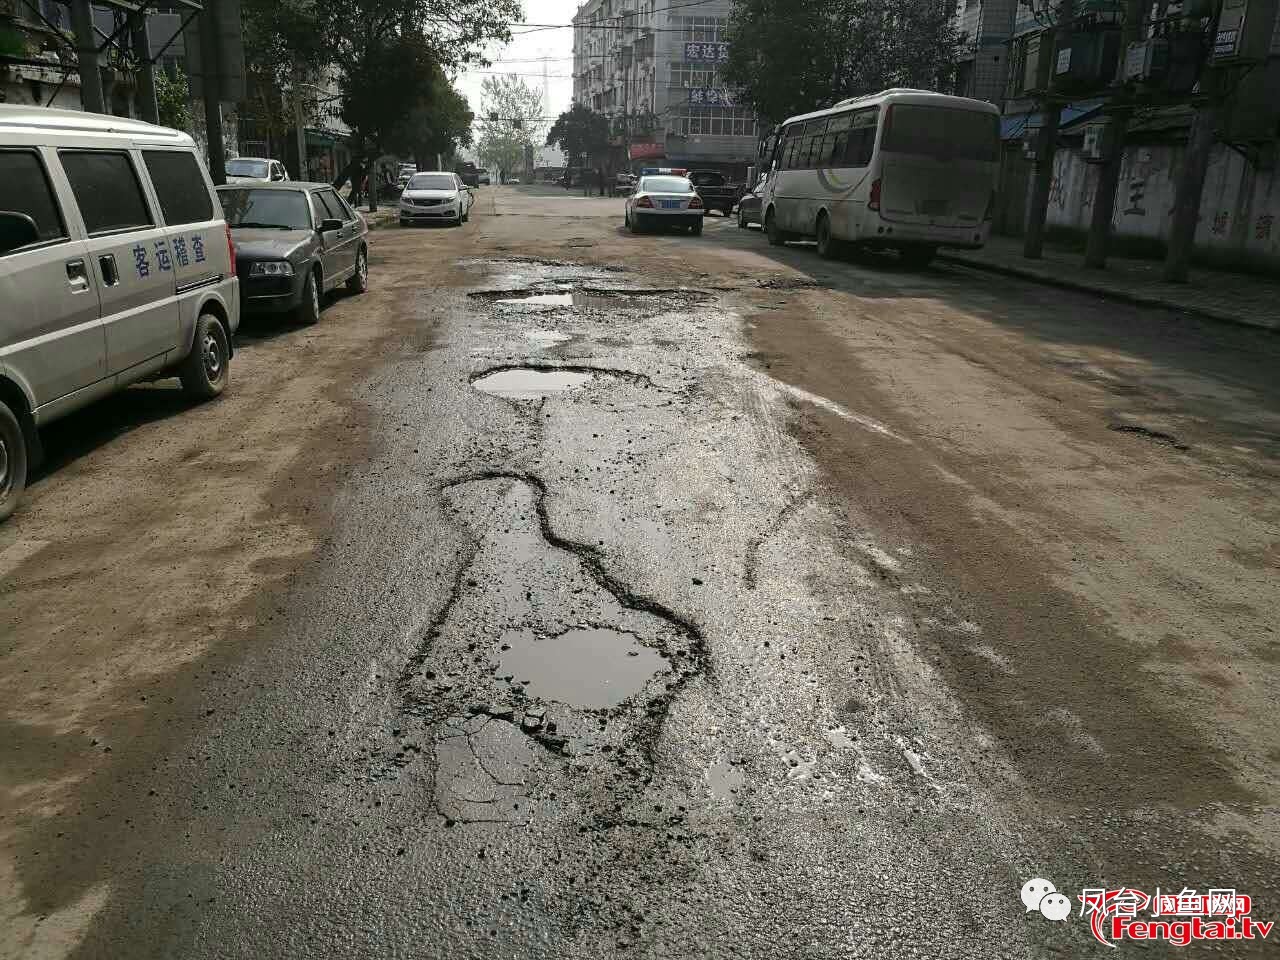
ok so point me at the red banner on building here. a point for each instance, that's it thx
(648, 151)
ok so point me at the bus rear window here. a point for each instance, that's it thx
(942, 132)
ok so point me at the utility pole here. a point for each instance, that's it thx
(299, 122)
(212, 88)
(1195, 163)
(1114, 132)
(1047, 142)
(87, 57)
(140, 38)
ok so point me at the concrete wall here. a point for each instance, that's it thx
(1239, 211)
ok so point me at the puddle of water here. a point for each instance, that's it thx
(529, 383)
(538, 300)
(724, 780)
(546, 339)
(592, 668)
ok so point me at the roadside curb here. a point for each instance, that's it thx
(1137, 299)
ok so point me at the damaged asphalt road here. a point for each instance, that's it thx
(595, 618)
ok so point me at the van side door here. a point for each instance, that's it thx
(194, 227)
(51, 336)
(131, 256)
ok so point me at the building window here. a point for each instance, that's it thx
(702, 29)
(716, 122)
(692, 75)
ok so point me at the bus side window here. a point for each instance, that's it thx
(862, 138)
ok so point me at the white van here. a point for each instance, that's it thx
(907, 170)
(115, 266)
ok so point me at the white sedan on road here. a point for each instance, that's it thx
(664, 201)
(435, 196)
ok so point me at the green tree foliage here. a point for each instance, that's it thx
(791, 56)
(173, 97)
(438, 123)
(511, 113)
(580, 132)
(383, 54)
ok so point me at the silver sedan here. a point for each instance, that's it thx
(664, 201)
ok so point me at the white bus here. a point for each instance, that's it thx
(905, 170)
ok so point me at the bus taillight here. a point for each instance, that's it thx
(874, 202)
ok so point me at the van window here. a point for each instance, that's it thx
(180, 186)
(943, 133)
(106, 189)
(25, 189)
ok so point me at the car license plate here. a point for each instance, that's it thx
(671, 204)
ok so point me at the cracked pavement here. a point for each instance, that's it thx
(573, 594)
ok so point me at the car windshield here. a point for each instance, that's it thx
(666, 185)
(247, 168)
(432, 181)
(266, 209)
(943, 133)
(709, 179)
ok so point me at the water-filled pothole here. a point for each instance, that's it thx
(588, 667)
(530, 383)
(546, 339)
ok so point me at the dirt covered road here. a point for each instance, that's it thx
(579, 594)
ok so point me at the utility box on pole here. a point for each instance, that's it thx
(1245, 28)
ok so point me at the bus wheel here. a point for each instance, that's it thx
(776, 237)
(918, 257)
(828, 246)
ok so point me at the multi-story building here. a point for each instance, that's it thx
(656, 70)
(985, 29)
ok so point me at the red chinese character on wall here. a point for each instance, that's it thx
(1262, 229)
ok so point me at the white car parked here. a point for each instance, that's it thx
(438, 195)
(664, 201)
(251, 169)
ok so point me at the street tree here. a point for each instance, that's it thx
(511, 121)
(580, 132)
(382, 54)
(438, 123)
(791, 56)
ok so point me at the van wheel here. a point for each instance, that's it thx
(309, 306)
(13, 462)
(918, 257)
(359, 281)
(776, 237)
(828, 246)
(204, 370)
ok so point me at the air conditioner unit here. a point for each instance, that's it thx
(1087, 60)
(1146, 61)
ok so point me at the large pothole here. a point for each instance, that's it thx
(589, 667)
(530, 383)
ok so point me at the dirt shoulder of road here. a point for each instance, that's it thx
(158, 533)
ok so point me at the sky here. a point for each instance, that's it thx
(529, 51)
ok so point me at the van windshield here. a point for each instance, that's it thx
(247, 168)
(265, 209)
(943, 133)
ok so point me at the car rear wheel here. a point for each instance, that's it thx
(204, 370)
(13, 462)
(359, 281)
(696, 229)
(742, 219)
